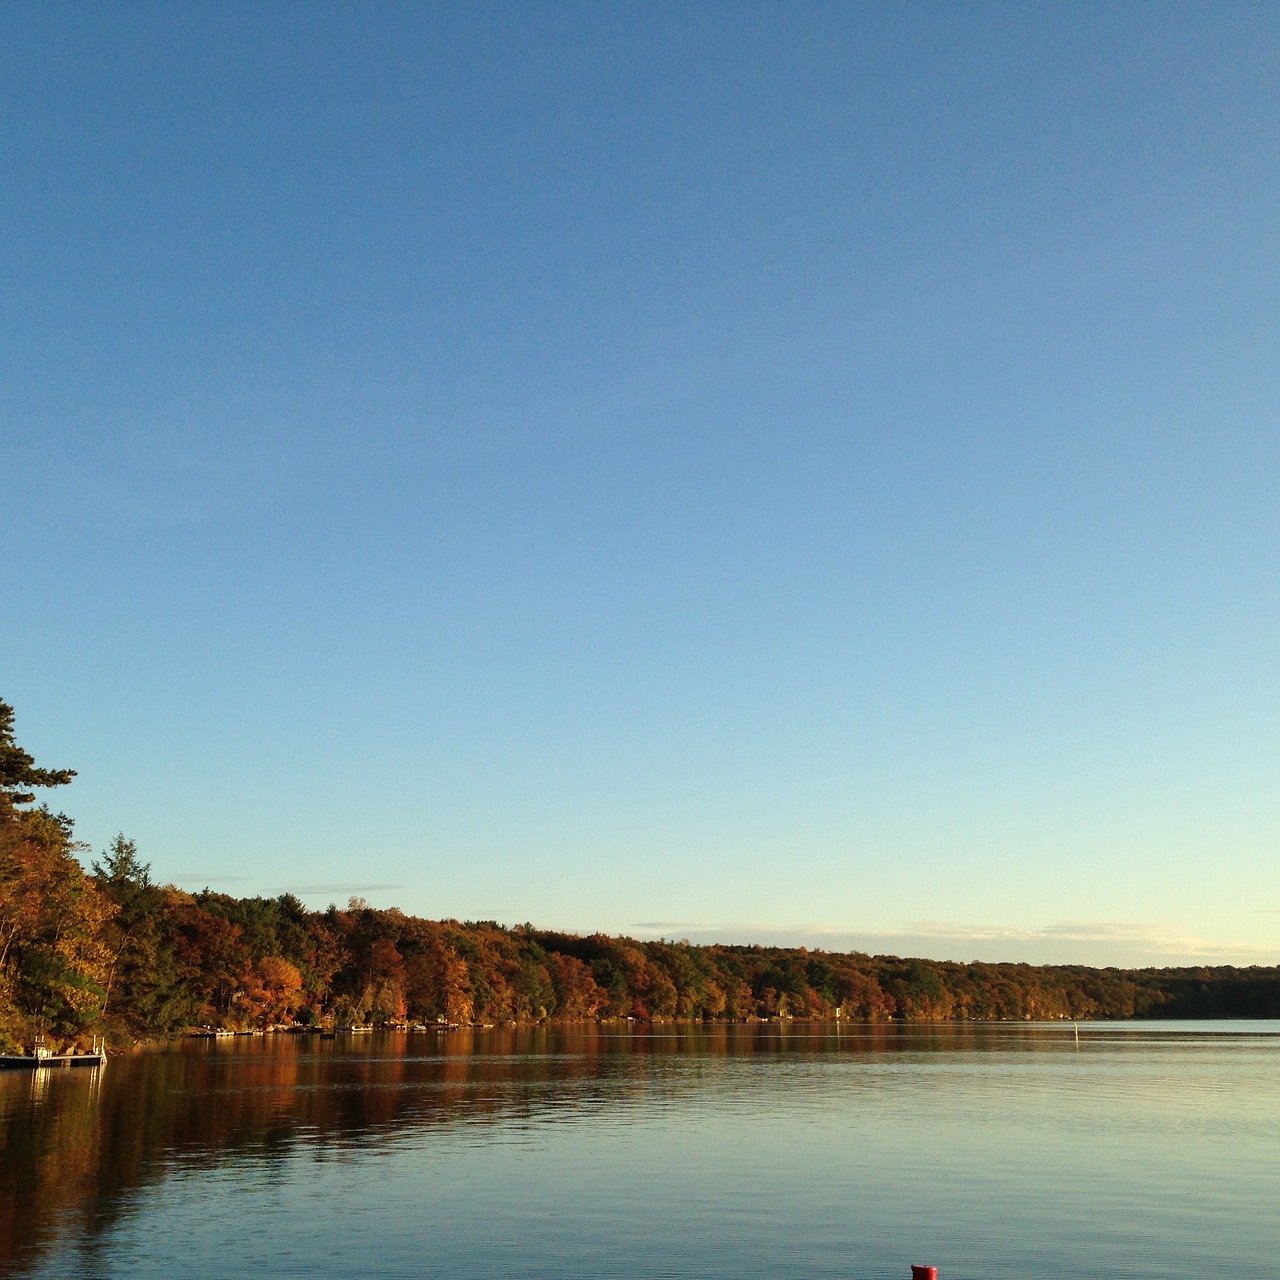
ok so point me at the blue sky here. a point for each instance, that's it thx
(754, 472)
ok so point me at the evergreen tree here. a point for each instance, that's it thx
(18, 769)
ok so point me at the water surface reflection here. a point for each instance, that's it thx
(809, 1141)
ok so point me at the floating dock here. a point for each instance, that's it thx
(43, 1058)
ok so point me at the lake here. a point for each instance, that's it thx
(988, 1150)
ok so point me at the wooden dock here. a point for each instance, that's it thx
(41, 1057)
(32, 1060)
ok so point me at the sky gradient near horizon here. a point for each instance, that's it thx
(743, 472)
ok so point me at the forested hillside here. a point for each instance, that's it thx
(105, 950)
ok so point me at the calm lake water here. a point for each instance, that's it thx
(1147, 1150)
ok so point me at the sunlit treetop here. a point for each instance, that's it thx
(18, 769)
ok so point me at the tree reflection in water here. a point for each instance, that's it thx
(78, 1145)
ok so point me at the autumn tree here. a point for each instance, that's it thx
(53, 964)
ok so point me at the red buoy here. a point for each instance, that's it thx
(923, 1273)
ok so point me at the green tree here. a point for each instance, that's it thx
(143, 994)
(18, 769)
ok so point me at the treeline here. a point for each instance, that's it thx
(107, 951)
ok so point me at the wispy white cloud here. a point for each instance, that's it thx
(344, 888)
(1098, 942)
(200, 878)
(1141, 935)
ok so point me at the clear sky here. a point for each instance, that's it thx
(773, 472)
